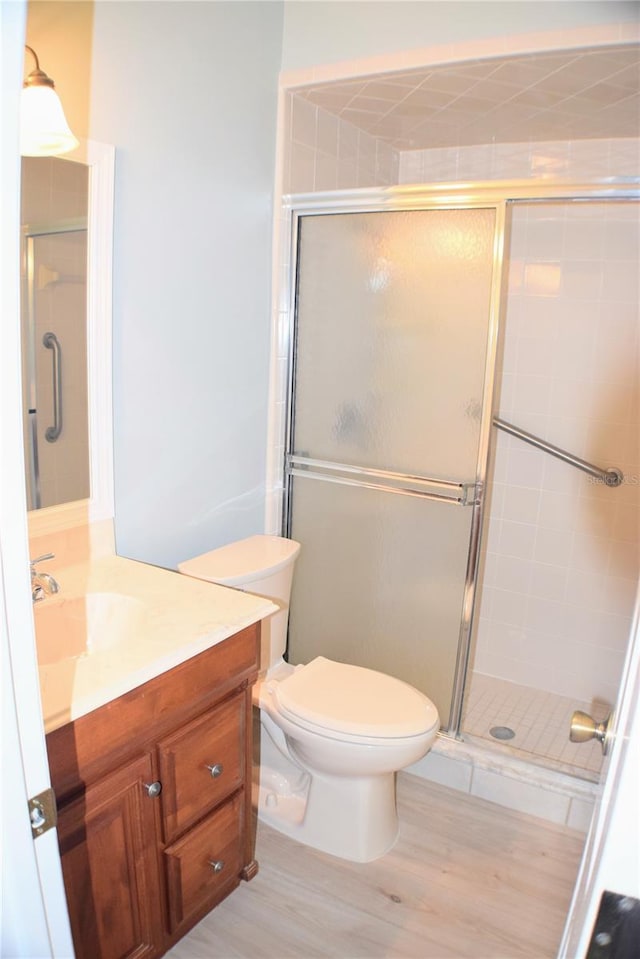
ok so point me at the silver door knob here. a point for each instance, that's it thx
(585, 728)
(216, 770)
(153, 789)
(217, 864)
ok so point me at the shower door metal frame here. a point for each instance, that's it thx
(500, 196)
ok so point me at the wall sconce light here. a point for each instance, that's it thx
(44, 130)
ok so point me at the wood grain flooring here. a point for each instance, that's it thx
(466, 878)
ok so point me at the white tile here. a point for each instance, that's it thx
(443, 770)
(548, 582)
(620, 281)
(534, 356)
(327, 133)
(585, 589)
(582, 279)
(580, 814)
(556, 511)
(508, 607)
(525, 467)
(302, 168)
(326, 172)
(517, 539)
(411, 166)
(511, 573)
(520, 504)
(534, 800)
(303, 122)
(545, 616)
(506, 640)
(347, 141)
(347, 174)
(532, 394)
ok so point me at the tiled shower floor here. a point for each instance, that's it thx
(540, 721)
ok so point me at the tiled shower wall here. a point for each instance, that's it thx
(561, 559)
(327, 153)
(561, 552)
(562, 549)
(565, 159)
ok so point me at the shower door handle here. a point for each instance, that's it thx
(50, 341)
(584, 728)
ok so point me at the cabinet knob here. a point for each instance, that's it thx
(216, 770)
(217, 864)
(153, 789)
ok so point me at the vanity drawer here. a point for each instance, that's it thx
(205, 865)
(201, 764)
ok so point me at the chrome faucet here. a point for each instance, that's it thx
(42, 584)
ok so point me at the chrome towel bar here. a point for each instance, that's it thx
(610, 477)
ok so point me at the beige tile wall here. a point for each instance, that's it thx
(562, 552)
(562, 549)
(327, 153)
(514, 161)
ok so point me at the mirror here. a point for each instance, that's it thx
(53, 217)
(67, 239)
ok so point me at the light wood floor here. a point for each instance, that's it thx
(466, 878)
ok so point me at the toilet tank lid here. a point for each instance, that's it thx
(243, 561)
(355, 700)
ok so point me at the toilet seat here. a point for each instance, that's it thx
(353, 701)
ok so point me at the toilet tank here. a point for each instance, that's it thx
(261, 565)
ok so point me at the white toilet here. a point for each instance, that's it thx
(332, 735)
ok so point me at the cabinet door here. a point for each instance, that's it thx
(204, 866)
(110, 866)
(201, 764)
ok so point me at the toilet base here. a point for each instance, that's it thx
(353, 818)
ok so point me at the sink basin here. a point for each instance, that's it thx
(70, 627)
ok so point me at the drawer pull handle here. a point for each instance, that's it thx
(153, 789)
(216, 770)
(217, 864)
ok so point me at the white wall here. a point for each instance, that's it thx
(187, 92)
(328, 32)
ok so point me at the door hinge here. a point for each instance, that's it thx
(43, 812)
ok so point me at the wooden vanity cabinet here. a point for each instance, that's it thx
(143, 862)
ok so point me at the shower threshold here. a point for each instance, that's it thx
(539, 722)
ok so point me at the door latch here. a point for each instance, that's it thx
(43, 812)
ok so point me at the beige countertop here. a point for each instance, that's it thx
(116, 623)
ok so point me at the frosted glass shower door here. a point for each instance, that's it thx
(392, 321)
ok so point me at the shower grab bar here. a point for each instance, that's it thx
(51, 342)
(610, 477)
(462, 494)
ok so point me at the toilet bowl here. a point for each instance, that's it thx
(332, 735)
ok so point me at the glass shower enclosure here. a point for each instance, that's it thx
(393, 353)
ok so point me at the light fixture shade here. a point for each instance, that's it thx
(44, 130)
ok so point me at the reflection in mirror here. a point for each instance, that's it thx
(68, 217)
(54, 333)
